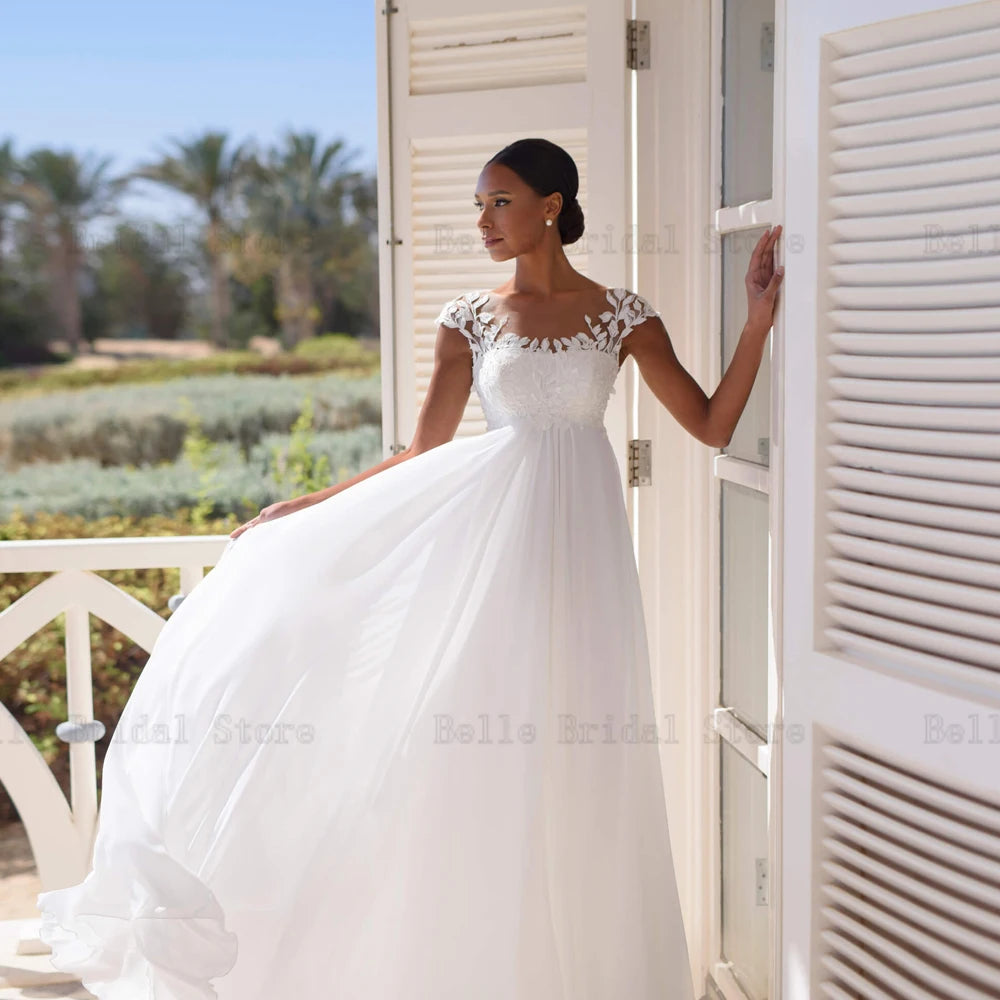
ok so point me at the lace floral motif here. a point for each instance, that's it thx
(547, 381)
(484, 331)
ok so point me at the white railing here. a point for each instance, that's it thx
(62, 833)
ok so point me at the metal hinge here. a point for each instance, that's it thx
(636, 44)
(640, 462)
(767, 46)
(763, 893)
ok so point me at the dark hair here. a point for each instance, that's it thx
(546, 168)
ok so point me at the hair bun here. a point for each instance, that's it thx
(546, 167)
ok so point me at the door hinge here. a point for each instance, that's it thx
(640, 462)
(763, 895)
(636, 44)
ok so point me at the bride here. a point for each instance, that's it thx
(399, 742)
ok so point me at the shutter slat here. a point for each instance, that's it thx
(956, 418)
(929, 163)
(949, 542)
(891, 344)
(973, 444)
(900, 318)
(962, 649)
(859, 153)
(928, 393)
(833, 992)
(922, 807)
(861, 987)
(948, 222)
(958, 519)
(876, 971)
(955, 470)
(916, 970)
(908, 830)
(946, 927)
(943, 612)
(498, 50)
(913, 487)
(865, 551)
(920, 664)
(916, 188)
(979, 369)
(875, 874)
(934, 95)
(908, 878)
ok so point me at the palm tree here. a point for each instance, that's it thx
(62, 193)
(207, 172)
(293, 202)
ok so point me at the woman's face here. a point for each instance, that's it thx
(511, 214)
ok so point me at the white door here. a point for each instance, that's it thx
(823, 595)
(457, 81)
(890, 492)
(706, 134)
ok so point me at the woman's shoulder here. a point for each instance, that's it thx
(465, 299)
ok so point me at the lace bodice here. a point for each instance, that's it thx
(549, 381)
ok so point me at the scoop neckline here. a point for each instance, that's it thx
(485, 291)
(526, 342)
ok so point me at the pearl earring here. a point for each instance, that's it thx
(548, 222)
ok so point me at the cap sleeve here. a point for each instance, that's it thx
(639, 310)
(632, 309)
(459, 315)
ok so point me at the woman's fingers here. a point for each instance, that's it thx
(236, 532)
(761, 264)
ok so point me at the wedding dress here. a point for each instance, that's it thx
(400, 744)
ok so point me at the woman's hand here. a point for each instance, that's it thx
(269, 513)
(762, 281)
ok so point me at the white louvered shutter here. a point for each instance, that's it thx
(457, 82)
(890, 473)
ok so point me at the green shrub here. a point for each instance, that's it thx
(333, 349)
(214, 478)
(143, 425)
(356, 360)
(297, 469)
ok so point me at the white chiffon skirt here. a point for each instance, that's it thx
(399, 744)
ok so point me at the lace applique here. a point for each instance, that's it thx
(514, 378)
(458, 314)
(483, 331)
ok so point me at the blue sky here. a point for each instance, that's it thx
(121, 79)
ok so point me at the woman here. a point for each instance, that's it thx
(402, 744)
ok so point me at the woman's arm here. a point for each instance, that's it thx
(712, 420)
(440, 415)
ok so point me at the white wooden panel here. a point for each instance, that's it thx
(890, 499)
(909, 882)
(924, 201)
(457, 84)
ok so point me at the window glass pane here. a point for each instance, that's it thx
(745, 872)
(752, 437)
(748, 100)
(744, 576)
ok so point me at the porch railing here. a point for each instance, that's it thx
(62, 833)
